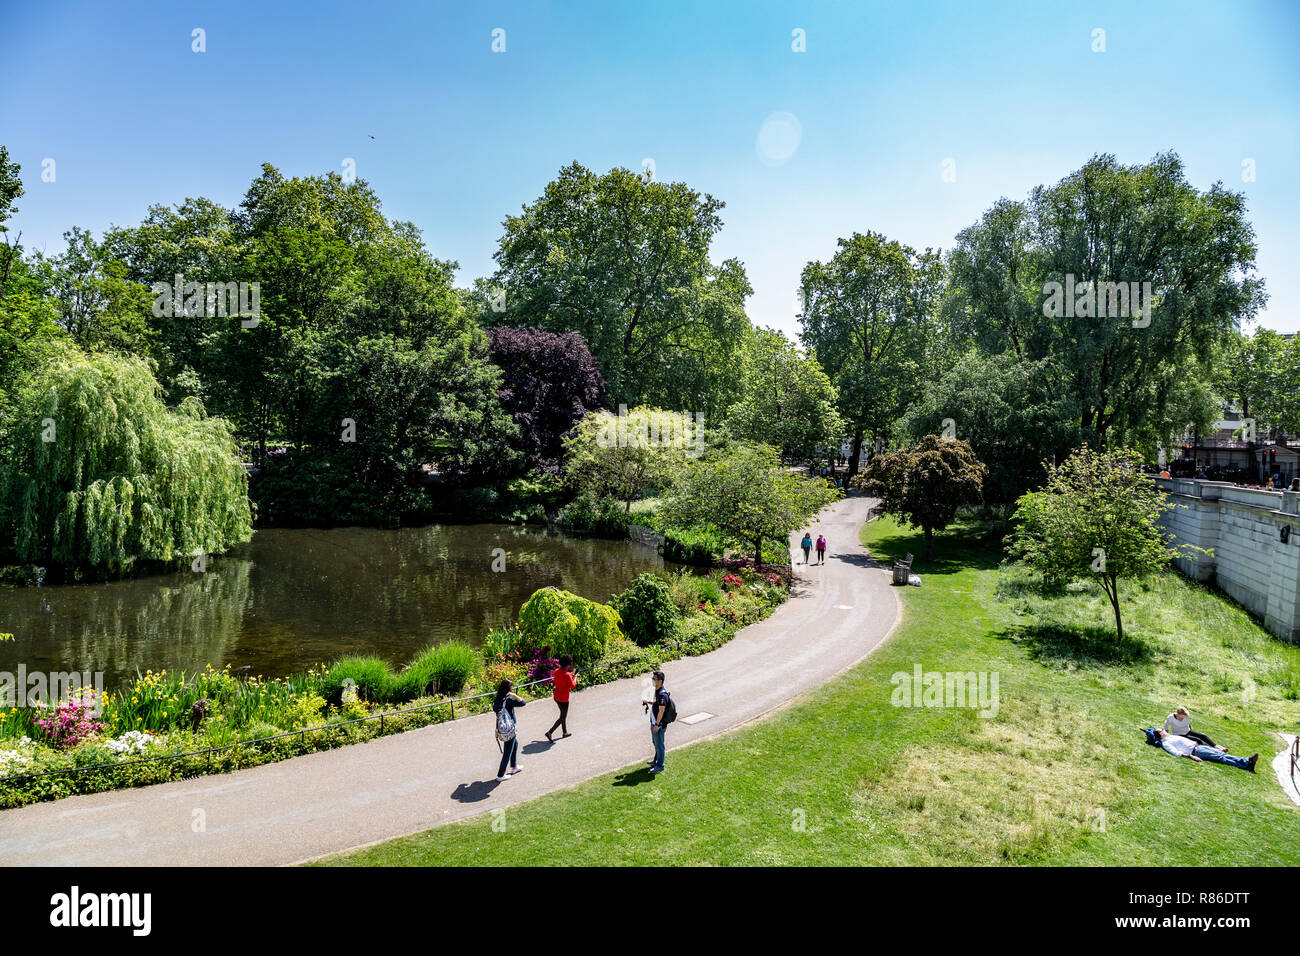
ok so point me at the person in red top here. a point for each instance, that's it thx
(563, 680)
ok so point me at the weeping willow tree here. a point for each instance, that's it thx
(102, 474)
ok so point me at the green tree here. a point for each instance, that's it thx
(1042, 279)
(1006, 410)
(789, 402)
(102, 474)
(627, 454)
(866, 316)
(746, 495)
(1260, 373)
(625, 262)
(925, 485)
(1096, 519)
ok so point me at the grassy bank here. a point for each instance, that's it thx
(1060, 776)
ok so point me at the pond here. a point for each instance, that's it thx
(292, 598)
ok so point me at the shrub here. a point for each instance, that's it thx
(695, 546)
(605, 517)
(303, 711)
(647, 610)
(568, 624)
(260, 728)
(71, 721)
(709, 592)
(444, 669)
(372, 677)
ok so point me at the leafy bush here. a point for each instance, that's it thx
(700, 547)
(568, 624)
(605, 517)
(372, 677)
(303, 711)
(444, 669)
(260, 728)
(647, 610)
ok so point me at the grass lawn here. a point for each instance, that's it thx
(1061, 775)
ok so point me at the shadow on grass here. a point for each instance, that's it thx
(1084, 646)
(634, 777)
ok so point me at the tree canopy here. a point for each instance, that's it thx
(102, 474)
(926, 484)
(746, 495)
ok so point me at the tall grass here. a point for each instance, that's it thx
(444, 669)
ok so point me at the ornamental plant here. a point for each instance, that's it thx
(72, 721)
(568, 624)
(647, 610)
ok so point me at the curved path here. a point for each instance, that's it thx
(338, 799)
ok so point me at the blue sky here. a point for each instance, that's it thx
(1012, 93)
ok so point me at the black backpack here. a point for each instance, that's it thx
(670, 709)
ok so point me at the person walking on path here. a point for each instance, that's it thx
(507, 729)
(821, 549)
(806, 544)
(1179, 724)
(562, 681)
(661, 710)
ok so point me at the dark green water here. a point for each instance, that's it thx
(293, 598)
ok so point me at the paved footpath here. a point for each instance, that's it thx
(339, 799)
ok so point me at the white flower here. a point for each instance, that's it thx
(131, 742)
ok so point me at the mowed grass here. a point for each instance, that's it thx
(1061, 775)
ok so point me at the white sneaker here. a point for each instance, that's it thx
(503, 779)
(517, 770)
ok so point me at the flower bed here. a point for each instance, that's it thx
(213, 722)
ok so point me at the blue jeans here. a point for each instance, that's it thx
(509, 755)
(657, 738)
(1215, 756)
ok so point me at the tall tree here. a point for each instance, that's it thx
(866, 315)
(102, 474)
(625, 263)
(788, 400)
(549, 383)
(1056, 276)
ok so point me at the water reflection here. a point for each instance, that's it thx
(292, 598)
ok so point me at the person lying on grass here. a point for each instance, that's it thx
(1186, 747)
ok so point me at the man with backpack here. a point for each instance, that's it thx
(662, 713)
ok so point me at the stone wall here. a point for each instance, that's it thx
(1244, 528)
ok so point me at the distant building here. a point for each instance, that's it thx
(1224, 455)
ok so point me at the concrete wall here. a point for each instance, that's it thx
(1243, 527)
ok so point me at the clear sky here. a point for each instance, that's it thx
(857, 130)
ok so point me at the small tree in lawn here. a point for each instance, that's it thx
(926, 484)
(1095, 519)
(747, 495)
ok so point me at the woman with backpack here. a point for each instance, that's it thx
(507, 730)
